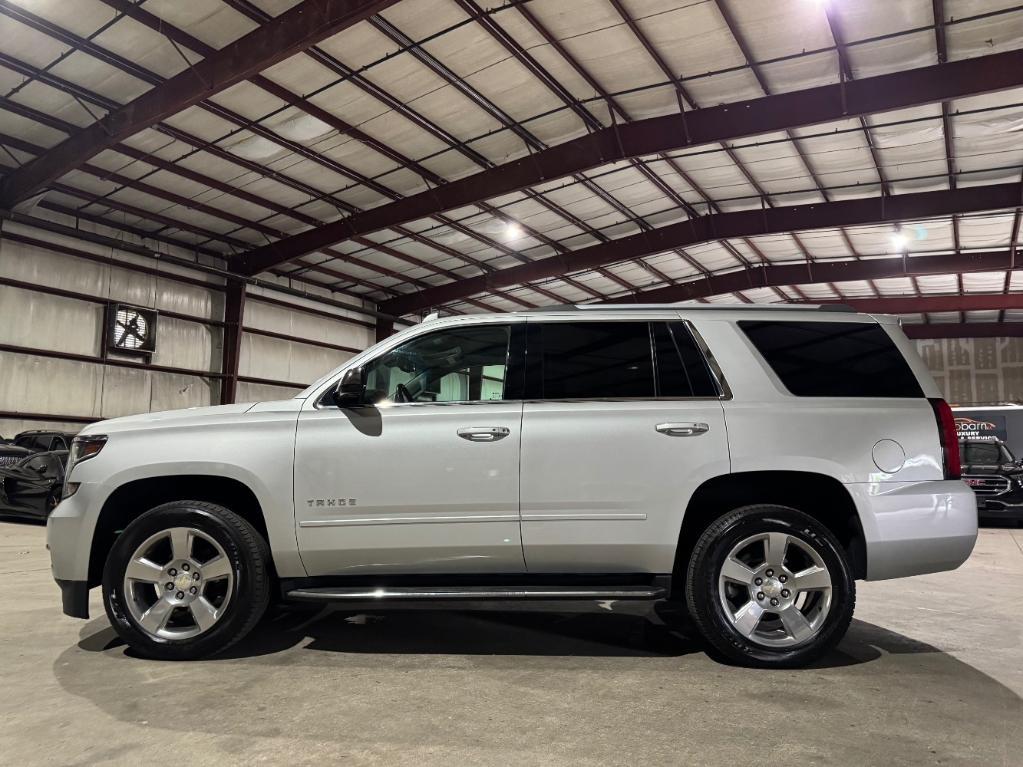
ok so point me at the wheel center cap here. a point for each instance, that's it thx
(772, 587)
(183, 581)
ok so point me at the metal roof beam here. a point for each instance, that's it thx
(294, 30)
(796, 273)
(717, 226)
(965, 330)
(714, 124)
(971, 302)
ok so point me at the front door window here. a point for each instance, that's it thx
(454, 365)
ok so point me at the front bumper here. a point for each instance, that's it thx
(66, 528)
(1001, 508)
(912, 528)
(74, 598)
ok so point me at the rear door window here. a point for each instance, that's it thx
(833, 359)
(614, 360)
(682, 370)
(596, 360)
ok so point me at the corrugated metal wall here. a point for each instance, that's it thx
(32, 383)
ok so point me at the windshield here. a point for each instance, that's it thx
(986, 453)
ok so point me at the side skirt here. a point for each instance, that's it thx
(627, 586)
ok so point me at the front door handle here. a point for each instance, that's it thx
(682, 429)
(484, 433)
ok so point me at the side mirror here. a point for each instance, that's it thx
(351, 389)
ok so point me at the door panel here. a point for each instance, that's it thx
(623, 424)
(603, 490)
(395, 489)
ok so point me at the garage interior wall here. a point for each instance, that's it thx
(54, 380)
(272, 363)
(976, 371)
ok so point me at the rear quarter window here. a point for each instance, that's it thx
(833, 359)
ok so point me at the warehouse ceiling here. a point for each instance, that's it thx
(470, 155)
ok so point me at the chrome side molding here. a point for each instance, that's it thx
(364, 593)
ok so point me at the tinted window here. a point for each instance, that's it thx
(981, 453)
(455, 365)
(833, 359)
(596, 360)
(681, 368)
(33, 441)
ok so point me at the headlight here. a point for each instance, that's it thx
(82, 449)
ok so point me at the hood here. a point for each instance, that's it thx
(188, 416)
(22, 475)
(20, 452)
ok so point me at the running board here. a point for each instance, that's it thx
(363, 593)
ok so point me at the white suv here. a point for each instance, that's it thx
(746, 464)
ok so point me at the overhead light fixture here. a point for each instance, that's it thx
(512, 230)
(900, 241)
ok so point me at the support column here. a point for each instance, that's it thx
(385, 328)
(234, 313)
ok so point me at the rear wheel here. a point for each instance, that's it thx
(186, 580)
(770, 586)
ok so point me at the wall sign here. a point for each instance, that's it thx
(980, 425)
(131, 329)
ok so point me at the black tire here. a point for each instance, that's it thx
(702, 586)
(249, 557)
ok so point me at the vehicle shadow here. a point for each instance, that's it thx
(423, 681)
(490, 631)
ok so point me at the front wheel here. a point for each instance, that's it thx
(186, 580)
(770, 587)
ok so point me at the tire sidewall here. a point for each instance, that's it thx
(704, 596)
(181, 514)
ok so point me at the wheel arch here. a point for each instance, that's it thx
(137, 496)
(820, 496)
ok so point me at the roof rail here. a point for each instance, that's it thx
(845, 308)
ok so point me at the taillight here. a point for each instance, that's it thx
(948, 438)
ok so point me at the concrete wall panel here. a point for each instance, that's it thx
(50, 322)
(33, 384)
(249, 392)
(304, 325)
(279, 360)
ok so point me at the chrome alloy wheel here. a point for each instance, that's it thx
(178, 583)
(775, 589)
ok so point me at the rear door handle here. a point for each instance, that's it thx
(484, 433)
(682, 429)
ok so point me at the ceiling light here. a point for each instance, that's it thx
(512, 230)
(900, 241)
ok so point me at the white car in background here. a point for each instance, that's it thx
(748, 464)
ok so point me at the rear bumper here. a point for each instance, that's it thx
(912, 528)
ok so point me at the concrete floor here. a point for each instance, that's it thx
(930, 673)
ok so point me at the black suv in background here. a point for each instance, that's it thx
(40, 440)
(995, 475)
